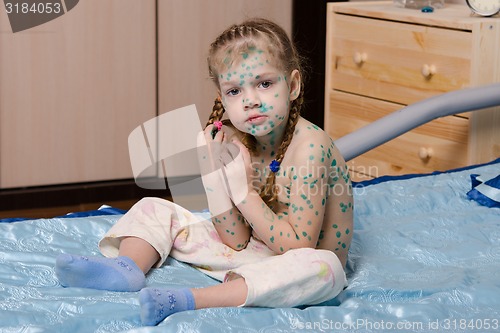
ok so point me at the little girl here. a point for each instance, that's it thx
(281, 202)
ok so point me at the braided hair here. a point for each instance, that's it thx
(244, 37)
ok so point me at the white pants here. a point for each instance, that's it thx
(298, 277)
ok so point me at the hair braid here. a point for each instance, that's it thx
(268, 192)
(217, 112)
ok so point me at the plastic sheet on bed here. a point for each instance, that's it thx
(424, 258)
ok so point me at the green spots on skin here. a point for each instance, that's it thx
(345, 207)
(338, 234)
(272, 239)
(264, 108)
(245, 55)
(335, 226)
(313, 127)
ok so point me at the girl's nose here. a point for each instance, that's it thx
(251, 101)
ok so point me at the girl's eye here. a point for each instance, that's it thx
(233, 92)
(265, 84)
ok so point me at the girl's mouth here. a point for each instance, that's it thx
(257, 120)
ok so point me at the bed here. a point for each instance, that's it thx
(425, 256)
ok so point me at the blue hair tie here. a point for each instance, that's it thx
(274, 166)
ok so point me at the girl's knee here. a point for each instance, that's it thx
(311, 255)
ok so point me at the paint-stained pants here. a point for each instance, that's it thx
(298, 277)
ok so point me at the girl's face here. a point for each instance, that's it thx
(257, 95)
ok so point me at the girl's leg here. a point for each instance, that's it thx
(123, 273)
(157, 304)
(227, 294)
(132, 246)
(298, 277)
(141, 252)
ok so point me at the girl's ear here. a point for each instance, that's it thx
(295, 85)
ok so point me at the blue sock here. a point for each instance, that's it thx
(114, 274)
(157, 304)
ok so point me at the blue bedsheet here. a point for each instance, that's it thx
(424, 258)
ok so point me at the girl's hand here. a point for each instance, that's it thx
(209, 149)
(236, 170)
(209, 152)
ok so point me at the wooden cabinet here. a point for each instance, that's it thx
(72, 90)
(381, 57)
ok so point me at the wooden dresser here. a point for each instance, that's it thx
(380, 57)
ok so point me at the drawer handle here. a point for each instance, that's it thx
(359, 58)
(425, 153)
(428, 71)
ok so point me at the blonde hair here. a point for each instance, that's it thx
(243, 38)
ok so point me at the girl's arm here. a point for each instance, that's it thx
(300, 226)
(227, 220)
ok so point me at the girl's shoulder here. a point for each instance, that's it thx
(309, 136)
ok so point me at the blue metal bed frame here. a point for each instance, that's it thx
(416, 114)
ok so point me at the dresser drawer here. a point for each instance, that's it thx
(399, 62)
(438, 145)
